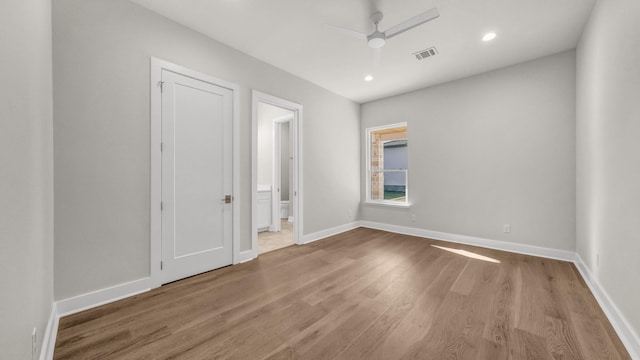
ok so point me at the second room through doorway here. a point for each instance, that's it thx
(275, 220)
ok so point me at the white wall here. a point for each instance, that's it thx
(101, 110)
(26, 183)
(608, 152)
(488, 150)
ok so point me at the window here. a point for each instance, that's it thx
(387, 164)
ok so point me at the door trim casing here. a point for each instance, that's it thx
(155, 243)
(297, 122)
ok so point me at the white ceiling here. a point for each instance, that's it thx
(290, 35)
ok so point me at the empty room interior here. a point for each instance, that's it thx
(297, 179)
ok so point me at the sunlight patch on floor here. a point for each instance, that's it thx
(468, 254)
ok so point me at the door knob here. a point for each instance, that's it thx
(226, 199)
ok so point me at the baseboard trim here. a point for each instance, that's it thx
(627, 335)
(84, 302)
(49, 338)
(117, 292)
(329, 232)
(104, 296)
(245, 256)
(475, 241)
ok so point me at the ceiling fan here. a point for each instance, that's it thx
(377, 38)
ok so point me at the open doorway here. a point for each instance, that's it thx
(276, 175)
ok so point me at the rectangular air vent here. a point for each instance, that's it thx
(423, 54)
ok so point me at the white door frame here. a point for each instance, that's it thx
(296, 129)
(276, 189)
(157, 65)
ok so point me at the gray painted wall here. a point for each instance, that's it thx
(26, 175)
(101, 132)
(608, 151)
(488, 150)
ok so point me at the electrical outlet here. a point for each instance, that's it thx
(506, 228)
(413, 217)
(349, 215)
(34, 343)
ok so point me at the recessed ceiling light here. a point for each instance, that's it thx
(368, 78)
(489, 36)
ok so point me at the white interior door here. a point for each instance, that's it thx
(197, 119)
(276, 199)
(275, 174)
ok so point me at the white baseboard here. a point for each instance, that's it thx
(290, 219)
(104, 296)
(100, 297)
(329, 232)
(476, 241)
(49, 338)
(84, 302)
(245, 256)
(627, 335)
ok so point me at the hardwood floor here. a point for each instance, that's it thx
(363, 294)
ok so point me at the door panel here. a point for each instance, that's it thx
(196, 176)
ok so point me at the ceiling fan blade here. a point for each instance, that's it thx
(375, 57)
(345, 31)
(412, 22)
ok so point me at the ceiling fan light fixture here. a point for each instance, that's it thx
(376, 40)
(489, 36)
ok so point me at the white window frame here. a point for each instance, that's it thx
(368, 200)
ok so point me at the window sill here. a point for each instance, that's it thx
(388, 204)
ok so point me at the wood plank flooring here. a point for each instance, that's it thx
(363, 294)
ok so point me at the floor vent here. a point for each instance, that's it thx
(423, 54)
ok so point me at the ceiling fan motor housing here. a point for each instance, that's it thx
(376, 17)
